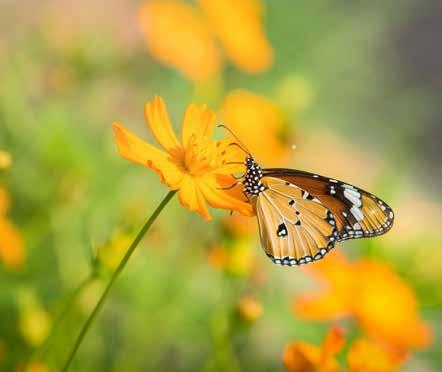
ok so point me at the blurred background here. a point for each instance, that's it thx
(355, 86)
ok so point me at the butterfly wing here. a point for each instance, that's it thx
(358, 213)
(295, 227)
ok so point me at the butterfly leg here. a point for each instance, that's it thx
(230, 187)
(247, 196)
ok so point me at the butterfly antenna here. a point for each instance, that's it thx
(239, 143)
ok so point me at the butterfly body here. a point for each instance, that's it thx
(301, 216)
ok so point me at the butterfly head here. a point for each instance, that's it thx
(252, 179)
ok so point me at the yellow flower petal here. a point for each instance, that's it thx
(304, 357)
(301, 357)
(384, 306)
(211, 187)
(333, 343)
(177, 37)
(12, 250)
(198, 121)
(136, 150)
(158, 120)
(387, 307)
(4, 202)
(259, 124)
(37, 367)
(190, 197)
(238, 25)
(367, 356)
(198, 169)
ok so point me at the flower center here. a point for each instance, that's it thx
(202, 155)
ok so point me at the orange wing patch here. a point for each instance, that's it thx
(358, 213)
(295, 227)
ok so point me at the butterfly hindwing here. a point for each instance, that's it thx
(357, 213)
(295, 227)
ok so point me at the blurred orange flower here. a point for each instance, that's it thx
(177, 36)
(384, 305)
(197, 167)
(12, 250)
(37, 367)
(180, 35)
(367, 356)
(250, 309)
(237, 257)
(238, 25)
(304, 357)
(238, 225)
(259, 123)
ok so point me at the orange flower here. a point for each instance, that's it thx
(37, 367)
(249, 309)
(197, 167)
(177, 37)
(367, 356)
(238, 225)
(304, 357)
(11, 244)
(259, 123)
(238, 25)
(382, 303)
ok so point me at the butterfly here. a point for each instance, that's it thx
(301, 215)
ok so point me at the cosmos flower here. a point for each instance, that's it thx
(177, 37)
(249, 309)
(382, 303)
(364, 355)
(180, 35)
(259, 123)
(238, 26)
(305, 357)
(12, 251)
(368, 356)
(198, 166)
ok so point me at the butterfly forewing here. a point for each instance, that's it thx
(295, 227)
(357, 213)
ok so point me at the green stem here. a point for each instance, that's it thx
(114, 277)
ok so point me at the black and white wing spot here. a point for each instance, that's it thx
(295, 227)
